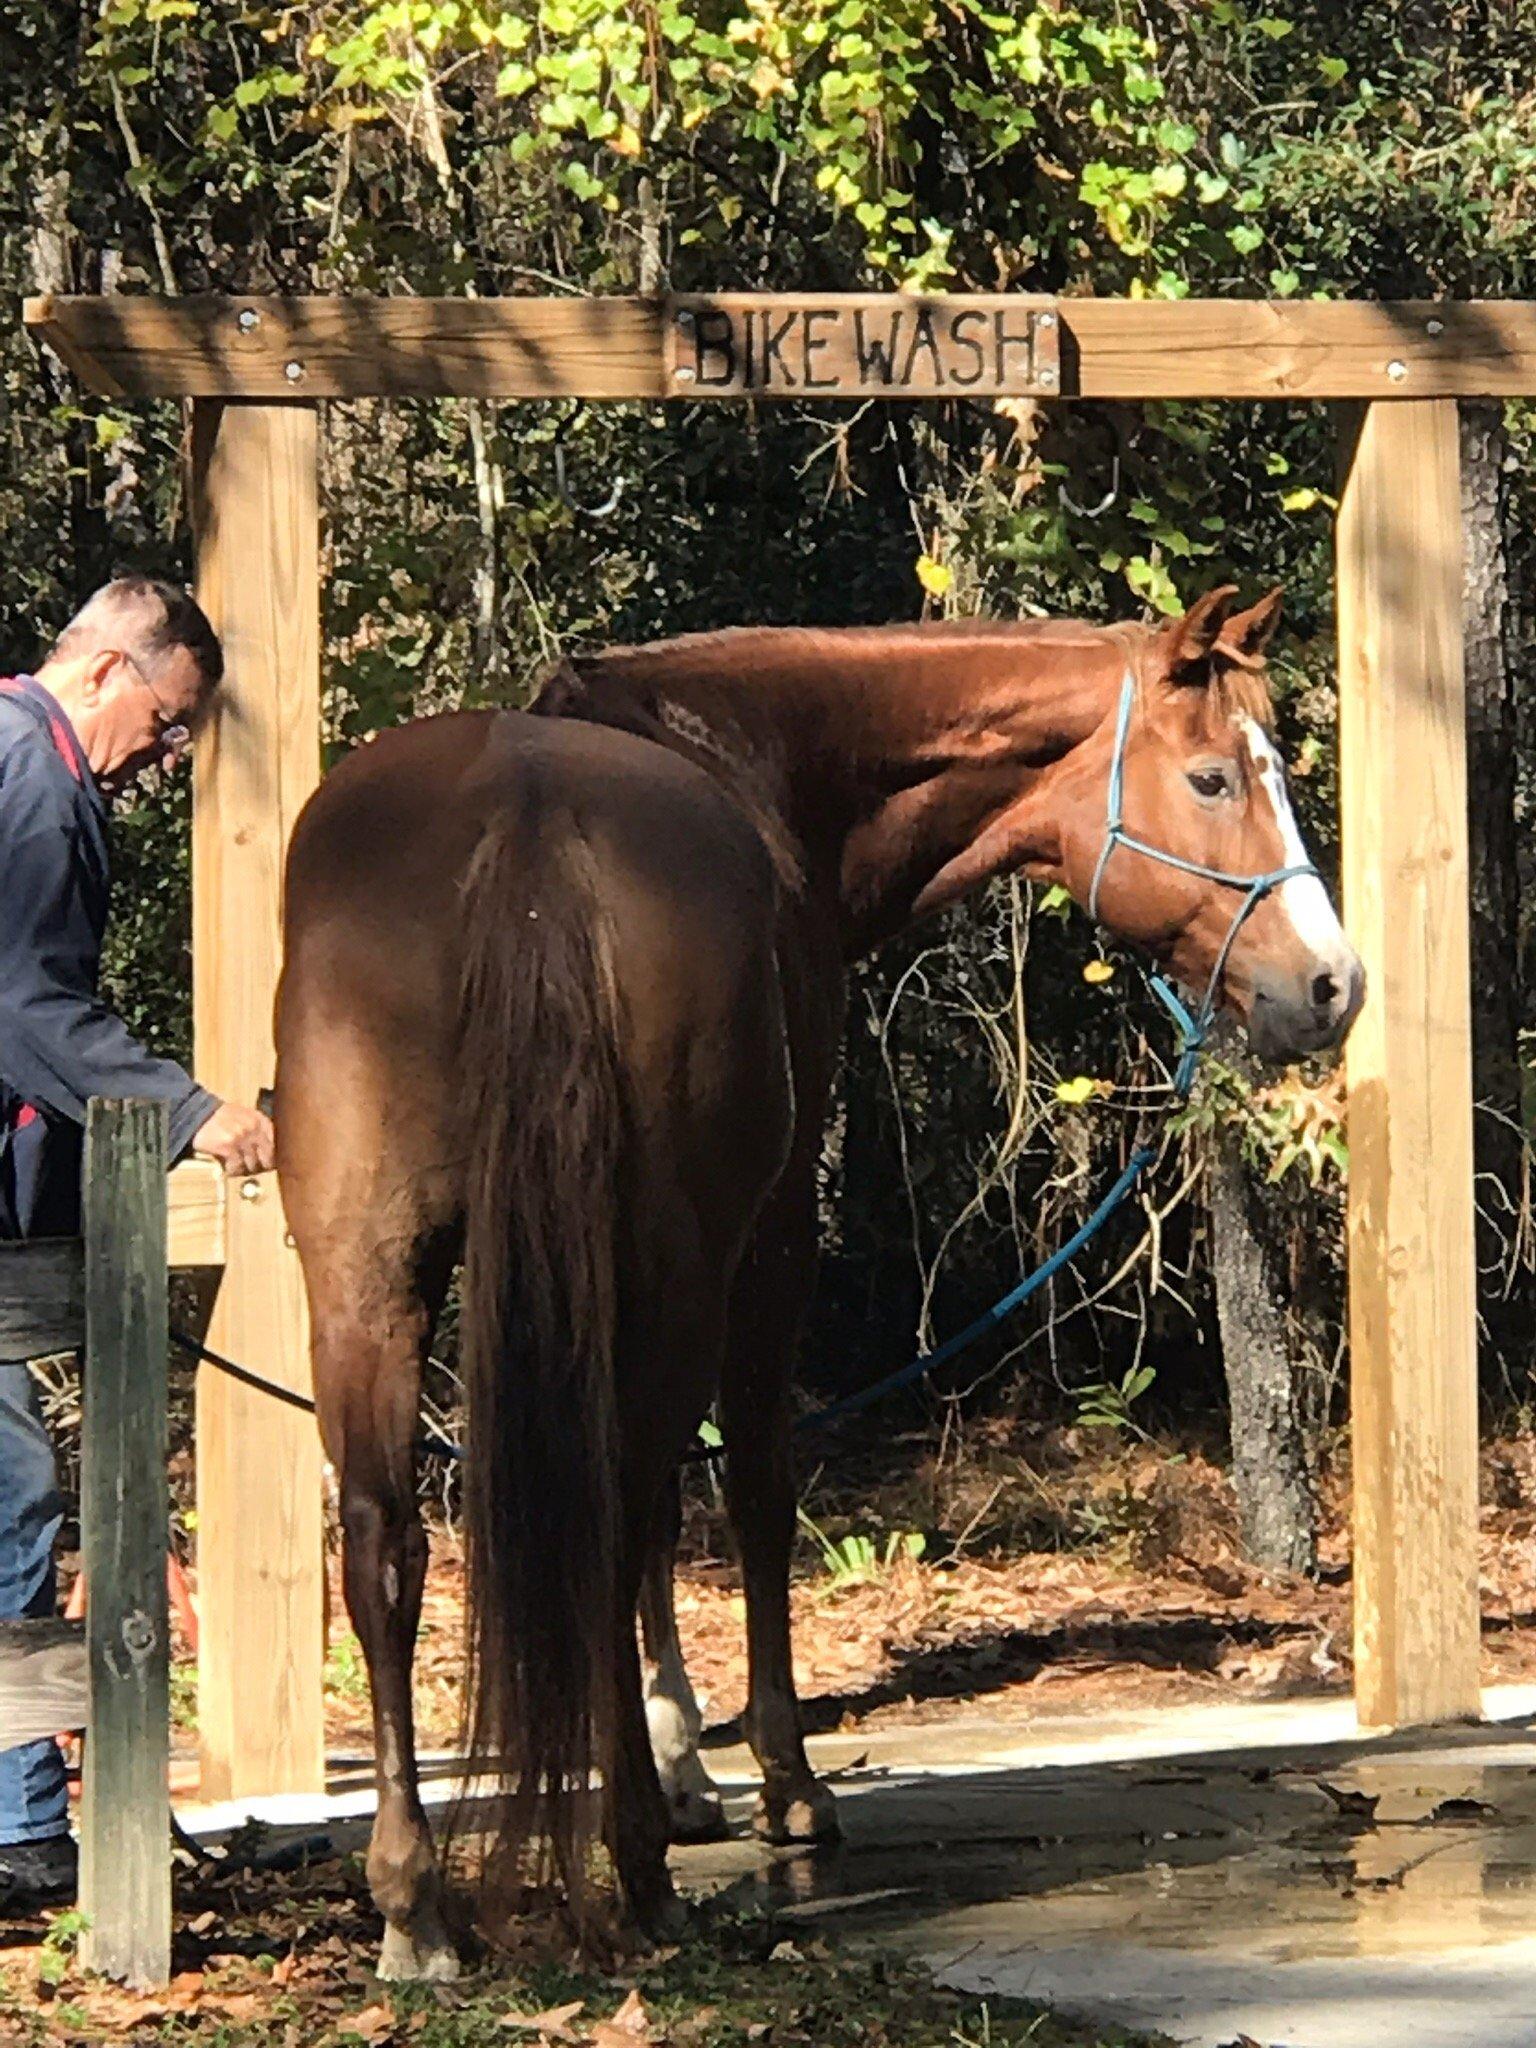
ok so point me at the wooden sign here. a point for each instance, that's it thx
(862, 345)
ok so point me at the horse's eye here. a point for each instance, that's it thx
(1211, 782)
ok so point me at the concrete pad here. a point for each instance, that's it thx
(1200, 1873)
(1265, 1870)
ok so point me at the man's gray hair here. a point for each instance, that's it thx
(147, 618)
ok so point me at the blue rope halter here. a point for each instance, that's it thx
(1192, 1028)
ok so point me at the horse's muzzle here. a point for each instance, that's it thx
(1290, 1017)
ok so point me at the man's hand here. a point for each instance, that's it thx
(241, 1139)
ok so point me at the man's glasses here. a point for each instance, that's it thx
(173, 735)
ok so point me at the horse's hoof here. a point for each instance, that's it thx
(406, 1958)
(807, 1817)
(696, 1817)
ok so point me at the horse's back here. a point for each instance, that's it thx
(406, 812)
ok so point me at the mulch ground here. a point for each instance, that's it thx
(1142, 1599)
(282, 1960)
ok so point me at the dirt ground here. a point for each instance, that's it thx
(1093, 1575)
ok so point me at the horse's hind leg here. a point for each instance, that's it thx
(671, 1711)
(374, 1302)
(669, 1367)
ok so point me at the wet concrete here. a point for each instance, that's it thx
(1206, 1873)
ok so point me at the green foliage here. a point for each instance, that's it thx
(859, 1559)
(184, 1697)
(60, 1945)
(1292, 1128)
(346, 1674)
(1108, 1404)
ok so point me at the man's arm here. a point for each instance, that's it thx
(59, 1043)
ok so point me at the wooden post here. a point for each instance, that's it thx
(1412, 1313)
(125, 1860)
(260, 1534)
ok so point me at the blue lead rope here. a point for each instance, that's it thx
(929, 1361)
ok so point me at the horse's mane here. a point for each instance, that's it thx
(725, 644)
(1238, 689)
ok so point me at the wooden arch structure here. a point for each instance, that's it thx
(257, 369)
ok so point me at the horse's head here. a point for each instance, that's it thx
(1185, 804)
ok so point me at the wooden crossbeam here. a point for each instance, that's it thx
(42, 1297)
(196, 1198)
(42, 1300)
(43, 1681)
(144, 347)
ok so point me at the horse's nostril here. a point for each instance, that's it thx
(1325, 990)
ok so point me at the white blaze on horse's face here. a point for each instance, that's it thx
(1336, 979)
(1303, 897)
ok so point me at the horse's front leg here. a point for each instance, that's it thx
(671, 1711)
(767, 1306)
(636, 1813)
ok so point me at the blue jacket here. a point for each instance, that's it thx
(59, 1043)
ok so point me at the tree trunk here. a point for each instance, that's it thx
(1504, 1284)
(1277, 1505)
(48, 243)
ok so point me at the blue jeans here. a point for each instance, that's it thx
(34, 1791)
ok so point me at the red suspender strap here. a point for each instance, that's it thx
(64, 746)
(64, 743)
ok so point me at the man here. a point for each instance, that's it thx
(124, 687)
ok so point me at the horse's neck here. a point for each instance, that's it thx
(875, 760)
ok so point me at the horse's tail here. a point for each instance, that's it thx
(540, 1080)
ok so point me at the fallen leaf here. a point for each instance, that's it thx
(630, 2024)
(238, 2006)
(859, 1763)
(1354, 1805)
(1462, 1809)
(697, 2026)
(283, 1968)
(553, 2025)
(373, 2023)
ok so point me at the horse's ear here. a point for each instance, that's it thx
(1190, 640)
(1245, 635)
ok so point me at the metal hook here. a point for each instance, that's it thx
(1108, 499)
(562, 487)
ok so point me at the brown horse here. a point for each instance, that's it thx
(564, 990)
